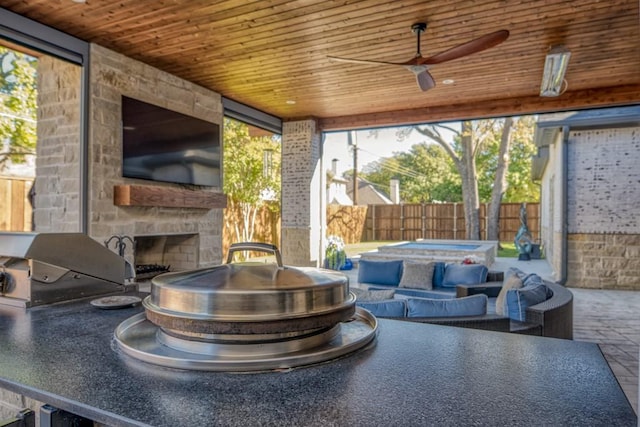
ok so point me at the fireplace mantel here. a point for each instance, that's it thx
(155, 196)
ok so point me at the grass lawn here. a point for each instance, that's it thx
(508, 249)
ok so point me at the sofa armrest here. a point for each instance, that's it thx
(490, 289)
(554, 315)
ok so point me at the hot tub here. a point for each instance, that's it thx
(485, 251)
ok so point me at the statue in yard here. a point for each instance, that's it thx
(523, 237)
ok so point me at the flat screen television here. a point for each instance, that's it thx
(163, 145)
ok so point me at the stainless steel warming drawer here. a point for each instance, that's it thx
(42, 268)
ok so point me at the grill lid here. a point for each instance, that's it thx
(248, 293)
(218, 299)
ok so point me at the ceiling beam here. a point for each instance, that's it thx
(575, 100)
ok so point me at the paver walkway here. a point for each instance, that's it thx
(612, 320)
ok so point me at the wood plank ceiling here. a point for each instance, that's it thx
(272, 54)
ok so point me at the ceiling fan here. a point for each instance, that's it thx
(419, 65)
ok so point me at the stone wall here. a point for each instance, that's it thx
(58, 167)
(58, 162)
(114, 75)
(604, 261)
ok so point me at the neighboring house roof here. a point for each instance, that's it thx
(368, 194)
(602, 117)
(340, 199)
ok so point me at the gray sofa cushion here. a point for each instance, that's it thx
(417, 275)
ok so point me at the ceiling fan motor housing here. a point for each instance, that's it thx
(418, 27)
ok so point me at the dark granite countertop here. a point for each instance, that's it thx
(415, 374)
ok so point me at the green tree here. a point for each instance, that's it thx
(251, 177)
(486, 161)
(18, 107)
(520, 185)
(425, 173)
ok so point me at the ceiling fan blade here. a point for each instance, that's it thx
(362, 61)
(476, 45)
(423, 77)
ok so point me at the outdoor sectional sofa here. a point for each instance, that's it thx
(466, 296)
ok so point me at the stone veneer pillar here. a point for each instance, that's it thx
(303, 204)
(58, 163)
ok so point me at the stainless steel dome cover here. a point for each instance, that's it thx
(241, 317)
(249, 293)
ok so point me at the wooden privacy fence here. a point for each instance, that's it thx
(16, 211)
(267, 229)
(347, 222)
(442, 221)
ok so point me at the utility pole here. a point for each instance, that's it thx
(352, 141)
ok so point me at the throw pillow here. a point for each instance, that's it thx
(513, 281)
(372, 295)
(388, 308)
(532, 279)
(379, 272)
(474, 305)
(464, 274)
(417, 275)
(518, 300)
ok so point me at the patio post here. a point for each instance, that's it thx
(303, 200)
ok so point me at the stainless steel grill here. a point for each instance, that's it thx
(42, 268)
(246, 317)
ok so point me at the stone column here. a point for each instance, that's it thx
(303, 201)
(58, 168)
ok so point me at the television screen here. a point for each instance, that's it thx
(164, 145)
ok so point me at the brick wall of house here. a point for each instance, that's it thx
(604, 181)
(603, 208)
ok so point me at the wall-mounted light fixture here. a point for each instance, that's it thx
(555, 66)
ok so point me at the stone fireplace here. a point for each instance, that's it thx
(176, 225)
(76, 185)
(177, 252)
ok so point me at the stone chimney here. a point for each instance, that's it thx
(334, 167)
(394, 191)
